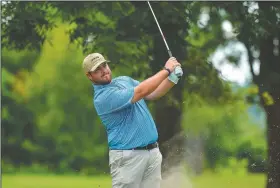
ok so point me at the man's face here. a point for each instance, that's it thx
(101, 75)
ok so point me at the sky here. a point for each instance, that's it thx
(240, 73)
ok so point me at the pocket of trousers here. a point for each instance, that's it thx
(133, 164)
(115, 162)
(117, 158)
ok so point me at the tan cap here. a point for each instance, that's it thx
(92, 61)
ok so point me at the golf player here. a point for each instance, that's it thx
(134, 155)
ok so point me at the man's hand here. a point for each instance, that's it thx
(178, 71)
(175, 75)
(172, 63)
(169, 82)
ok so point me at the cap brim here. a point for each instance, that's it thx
(97, 65)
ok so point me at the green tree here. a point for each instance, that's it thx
(17, 119)
(258, 29)
(126, 32)
(70, 135)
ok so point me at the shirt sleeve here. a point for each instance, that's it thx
(135, 82)
(115, 100)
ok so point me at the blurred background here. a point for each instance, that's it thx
(218, 127)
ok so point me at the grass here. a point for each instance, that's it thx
(55, 181)
(230, 181)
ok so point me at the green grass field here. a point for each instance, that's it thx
(55, 181)
(229, 181)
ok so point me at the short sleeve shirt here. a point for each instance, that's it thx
(128, 124)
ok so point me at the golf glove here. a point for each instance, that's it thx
(175, 75)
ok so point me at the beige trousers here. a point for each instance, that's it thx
(135, 168)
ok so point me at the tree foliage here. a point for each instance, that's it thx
(48, 115)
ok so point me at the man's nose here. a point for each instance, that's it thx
(103, 70)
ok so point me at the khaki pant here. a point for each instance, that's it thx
(135, 168)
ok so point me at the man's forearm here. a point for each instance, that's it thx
(157, 82)
(161, 90)
(149, 85)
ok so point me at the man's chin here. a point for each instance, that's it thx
(107, 82)
(103, 82)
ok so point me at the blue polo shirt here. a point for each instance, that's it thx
(128, 124)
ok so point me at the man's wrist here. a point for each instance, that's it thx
(168, 70)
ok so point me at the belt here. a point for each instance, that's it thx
(148, 147)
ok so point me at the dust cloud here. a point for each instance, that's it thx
(176, 171)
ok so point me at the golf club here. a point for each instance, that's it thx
(168, 50)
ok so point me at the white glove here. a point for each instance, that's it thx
(178, 71)
(175, 75)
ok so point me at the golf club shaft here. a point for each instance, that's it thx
(177, 69)
(169, 51)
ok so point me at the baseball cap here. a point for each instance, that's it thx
(92, 61)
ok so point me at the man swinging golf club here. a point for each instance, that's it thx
(134, 157)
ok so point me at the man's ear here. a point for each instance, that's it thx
(88, 75)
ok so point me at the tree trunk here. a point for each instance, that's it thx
(269, 90)
(168, 109)
(269, 84)
(273, 135)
